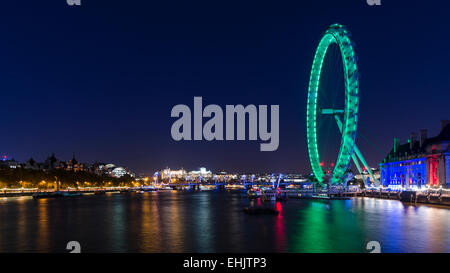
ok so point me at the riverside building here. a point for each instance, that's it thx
(419, 163)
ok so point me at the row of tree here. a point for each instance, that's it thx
(28, 178)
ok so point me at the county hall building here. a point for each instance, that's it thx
(419, 163)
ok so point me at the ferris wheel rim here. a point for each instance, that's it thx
(339, 35)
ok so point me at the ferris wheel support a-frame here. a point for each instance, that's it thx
(356, 152)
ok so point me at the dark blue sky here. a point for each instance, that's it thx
(100, 80)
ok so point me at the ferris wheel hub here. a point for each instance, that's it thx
(329, 111)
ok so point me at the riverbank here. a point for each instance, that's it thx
(412, 197)
(30, 192)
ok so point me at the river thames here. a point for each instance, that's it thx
(213, 221)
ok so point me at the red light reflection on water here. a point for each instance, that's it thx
(280, 235)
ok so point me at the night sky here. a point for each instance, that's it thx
(99, 81)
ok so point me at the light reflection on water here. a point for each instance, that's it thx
(214, 222)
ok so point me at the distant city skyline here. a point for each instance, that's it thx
(175, 169)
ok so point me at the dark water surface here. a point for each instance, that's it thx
(214, 222)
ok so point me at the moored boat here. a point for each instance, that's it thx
(72, 194)
(206, 188)
(269, 195)
(149, 188)
(252, 194)
(42, 195)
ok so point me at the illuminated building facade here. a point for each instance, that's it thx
(74, 165)
(419, 164)
(202, 173)
(167, 173)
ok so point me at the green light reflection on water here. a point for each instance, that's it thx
(323, 227)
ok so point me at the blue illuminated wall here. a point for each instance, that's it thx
(411, 173)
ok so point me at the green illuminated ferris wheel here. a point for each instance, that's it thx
(346, 118)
